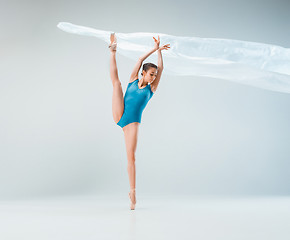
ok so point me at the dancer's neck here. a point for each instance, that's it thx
(141, 83)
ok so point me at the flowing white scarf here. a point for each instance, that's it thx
(257, 64)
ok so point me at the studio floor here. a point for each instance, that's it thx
(155, 217)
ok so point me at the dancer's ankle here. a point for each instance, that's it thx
(113, 47)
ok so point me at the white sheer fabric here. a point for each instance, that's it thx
(256, 64)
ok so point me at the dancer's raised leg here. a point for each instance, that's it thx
(118, 98)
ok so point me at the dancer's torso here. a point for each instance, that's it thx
(135, 100)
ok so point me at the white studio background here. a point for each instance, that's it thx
(197, 136)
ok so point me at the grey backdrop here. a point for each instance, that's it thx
(197, 136)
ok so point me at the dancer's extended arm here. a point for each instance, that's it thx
(138, 65)
(155, 83)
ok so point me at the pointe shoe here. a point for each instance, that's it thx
(113, 47)
(133, 203)
(113, 38)
(113, 44)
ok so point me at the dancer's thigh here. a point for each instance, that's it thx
(131, 137)
(117, 102)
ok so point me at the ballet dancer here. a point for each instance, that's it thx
(127, 110)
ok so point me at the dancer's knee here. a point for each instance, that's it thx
(131, 157)
(116, 83)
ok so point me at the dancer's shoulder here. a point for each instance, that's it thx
(133, 80)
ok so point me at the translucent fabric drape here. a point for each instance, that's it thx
(257, 64)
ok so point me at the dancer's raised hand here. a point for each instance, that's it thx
(157, 42)
(166, 46)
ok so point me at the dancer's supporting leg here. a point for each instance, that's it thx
(131, 136)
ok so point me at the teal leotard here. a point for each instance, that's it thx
(135, 100)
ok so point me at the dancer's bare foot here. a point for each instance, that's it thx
(132, 196)
(113, 45)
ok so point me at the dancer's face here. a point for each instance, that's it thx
(150, 75)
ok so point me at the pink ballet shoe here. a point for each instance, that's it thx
(113, 38)
(113, 44)
(133, 203)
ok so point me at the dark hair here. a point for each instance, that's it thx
(147, 66)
